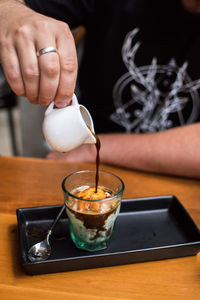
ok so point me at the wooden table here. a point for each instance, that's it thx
(34, 182)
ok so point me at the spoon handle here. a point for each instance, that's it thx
(56, 220)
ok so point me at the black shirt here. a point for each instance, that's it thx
(140, 69)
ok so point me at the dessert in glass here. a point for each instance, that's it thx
(91, 210)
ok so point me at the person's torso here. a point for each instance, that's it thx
(140, 66)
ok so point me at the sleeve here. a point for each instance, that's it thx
(73, 12)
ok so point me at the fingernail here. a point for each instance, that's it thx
(44, 103)
(61, 104)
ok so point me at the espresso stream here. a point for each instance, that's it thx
(98, 146)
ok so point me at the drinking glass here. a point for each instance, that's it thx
(91, 222)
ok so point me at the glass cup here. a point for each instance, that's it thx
(91, 222)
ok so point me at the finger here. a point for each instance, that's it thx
(29, 67)
(11, 67)
(68, 70)
(49, 76)
(48, 63)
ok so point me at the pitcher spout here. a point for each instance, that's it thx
(91, 139)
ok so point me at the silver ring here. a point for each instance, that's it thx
(46, 50)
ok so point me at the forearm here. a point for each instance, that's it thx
(174, 151)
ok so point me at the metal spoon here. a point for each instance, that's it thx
(42, 250)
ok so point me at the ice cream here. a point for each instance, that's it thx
(93, 217)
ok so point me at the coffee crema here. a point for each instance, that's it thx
(91, 194)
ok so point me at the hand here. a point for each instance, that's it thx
(51, 76)
(84, 153)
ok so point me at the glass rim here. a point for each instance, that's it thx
(91, 200)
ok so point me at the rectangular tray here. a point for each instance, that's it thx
(146, 229)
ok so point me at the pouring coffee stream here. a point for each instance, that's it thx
(98, 146)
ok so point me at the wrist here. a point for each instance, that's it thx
(12, 2)
(9, 5)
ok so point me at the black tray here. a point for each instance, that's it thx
(146, 229)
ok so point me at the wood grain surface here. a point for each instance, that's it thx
(27, 182)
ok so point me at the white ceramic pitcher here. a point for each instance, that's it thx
(67, 128)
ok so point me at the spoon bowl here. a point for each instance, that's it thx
(42, 250)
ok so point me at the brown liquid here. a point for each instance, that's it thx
(98, 146)
(94, 221)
